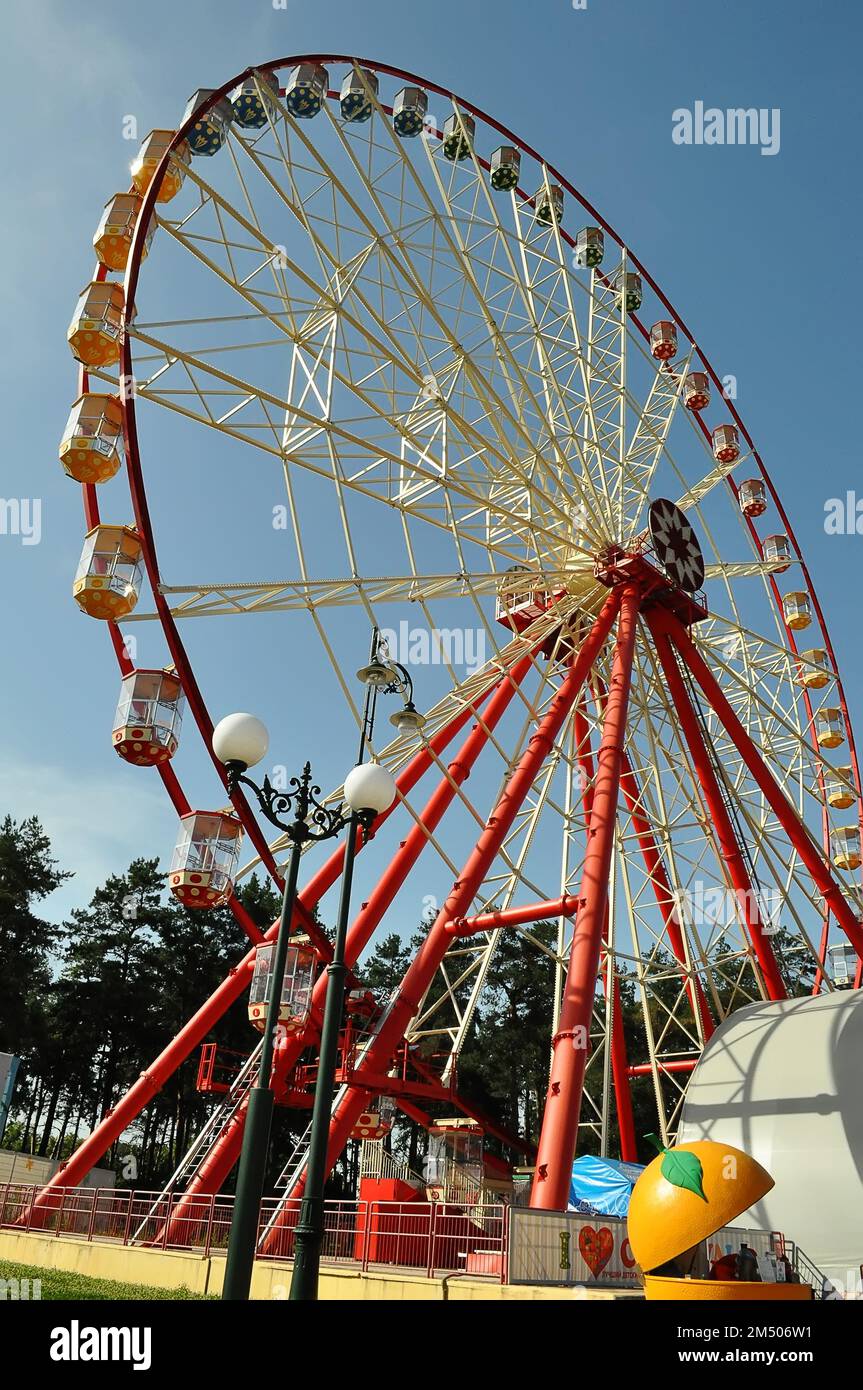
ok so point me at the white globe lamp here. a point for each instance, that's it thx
(370, 787)
(240, 738)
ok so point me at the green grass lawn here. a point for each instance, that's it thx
(64, 1284)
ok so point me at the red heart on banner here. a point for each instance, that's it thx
(596, 1248)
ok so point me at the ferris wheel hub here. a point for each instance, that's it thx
(617, 565)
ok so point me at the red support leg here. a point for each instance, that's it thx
(663, 893)
(422, 969)
(662, 890)
(566, 906)
(822, 954)
(563, 1104)
(725, 832)
(150, 1082)
(788, 818)
(617, 1041)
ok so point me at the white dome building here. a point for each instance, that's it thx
(784, 1082)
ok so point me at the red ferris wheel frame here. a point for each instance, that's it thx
(617, 778)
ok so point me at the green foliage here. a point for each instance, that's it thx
(64, 1285)
(387, 965)
(504, 1065)
(27, 875)
(90, 1003)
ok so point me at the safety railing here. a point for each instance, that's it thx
(431, 1238)
(809, 1273)
(376, 1163)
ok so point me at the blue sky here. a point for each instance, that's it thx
(760, 254)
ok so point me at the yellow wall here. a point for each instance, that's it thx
(203, 1274)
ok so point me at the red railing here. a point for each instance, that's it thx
(428, 1238)
(218, 1068)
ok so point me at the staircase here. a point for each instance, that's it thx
(376, 1163)
(809, 1273)
(220, 1117)
(296, 1165)
(297, 1159)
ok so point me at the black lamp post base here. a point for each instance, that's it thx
(250, 1189)
(308, 1239)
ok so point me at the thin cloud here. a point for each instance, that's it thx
(95, 829)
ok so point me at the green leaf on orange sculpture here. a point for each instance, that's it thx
(683, 1169)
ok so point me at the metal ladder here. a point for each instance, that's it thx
(298, 1154)
(298, 1161)
(220, 1117)
(295, 1168)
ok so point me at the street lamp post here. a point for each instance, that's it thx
(380, 676)
(310, 821)
(240, 741)
(309, 1233)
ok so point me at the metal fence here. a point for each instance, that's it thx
(427, 1238)
(809, 1273)
(570, 1249)
(422, 1238)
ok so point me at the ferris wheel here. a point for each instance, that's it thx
(490, 428)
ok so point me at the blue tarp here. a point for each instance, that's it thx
(602, 1186)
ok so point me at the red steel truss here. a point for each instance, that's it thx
(569, 1056)
(720, 819)
(151, 1081)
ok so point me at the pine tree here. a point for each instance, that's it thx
(106, 1001)
(387, 964)
(28, 873)
(504, 1064)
